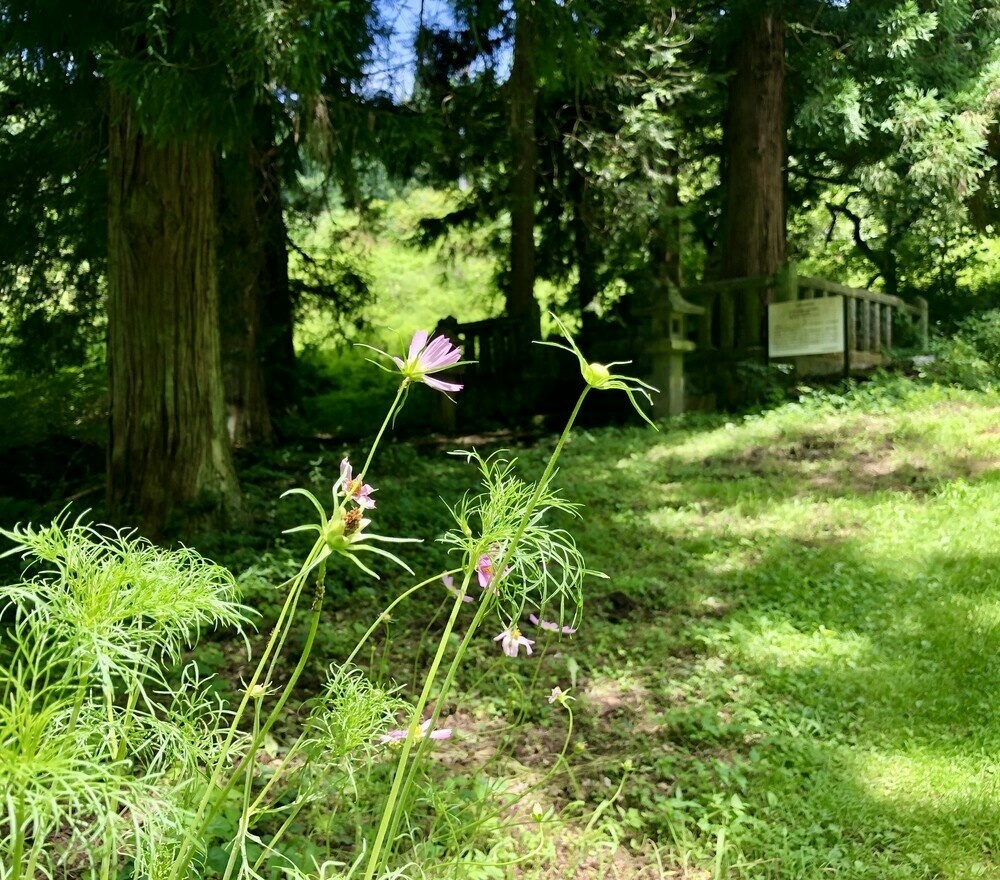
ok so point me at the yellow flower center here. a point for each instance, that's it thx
(352, 521)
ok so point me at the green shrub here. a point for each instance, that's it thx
(971, 357)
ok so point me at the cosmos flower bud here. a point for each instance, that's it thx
(595, 375)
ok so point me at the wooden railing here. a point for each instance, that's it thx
(730, 324)
(870, 314)
(492, 345)
(735, 319)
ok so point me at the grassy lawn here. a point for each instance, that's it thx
(802, 630)
(791, 673)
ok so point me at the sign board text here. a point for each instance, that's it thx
(806, 326)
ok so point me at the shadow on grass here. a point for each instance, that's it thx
(821, 705)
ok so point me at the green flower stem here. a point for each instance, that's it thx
(389, 418)
(17, 851)
(277, 774)
(269, 849)
(607, 802)
(400, 787)
(544, 480)
(119, 752)
(133, 699)
(208, 811)
(423, 745)
(200, 819)
(377, 856)
(274, 653)
(215, 789)
(244, 827)
(381, 618)
(81, 695)
(560, 759)
(294, 811)
(293, 679)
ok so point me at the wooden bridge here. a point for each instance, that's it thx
(735, 317)
(713, 325)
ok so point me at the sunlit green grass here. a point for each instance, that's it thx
(813, 600)
(798, 649)
(799, 646)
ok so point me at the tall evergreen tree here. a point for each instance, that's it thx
(178, 85)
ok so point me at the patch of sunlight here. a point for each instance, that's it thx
(985, 615)
(757, 515)
(779, 644)
(920, 778)
(956, 522)
(695, 448)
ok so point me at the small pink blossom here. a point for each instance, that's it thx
(426, 357)
(512, 641)
(354, 489)
(485, 571)
(417, 733)
(550, 625)
(449, 583)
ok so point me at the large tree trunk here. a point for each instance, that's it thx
(242, 289)
(582, 225)
(168, 453)
(753, 239)
(277, 344)
(521, 304)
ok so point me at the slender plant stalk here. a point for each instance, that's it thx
(245, 814)
(377, 857)
(388, 608)
(404, 776)
(17, 853)
(389, 417)
(560, 759)
(200, 820)
(216, 790)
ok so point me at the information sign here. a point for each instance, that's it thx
(806, 326)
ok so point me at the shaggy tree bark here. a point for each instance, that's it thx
(753, 232)
(241, 295)
(168, 452)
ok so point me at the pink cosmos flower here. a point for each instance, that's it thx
(426, 357)
(418, 733)
(512, 641)
(550, 625)
(449, 583)
(354, 489)
(484, 569)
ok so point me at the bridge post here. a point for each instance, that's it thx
(924, 320)
(786, 287)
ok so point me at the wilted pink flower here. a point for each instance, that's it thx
(418, 733)
(354, 489)
(512, 640)
(550, 625)
(426, 357)
(449, 583)
(559, 696)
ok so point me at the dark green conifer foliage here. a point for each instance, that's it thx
(179, 86)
